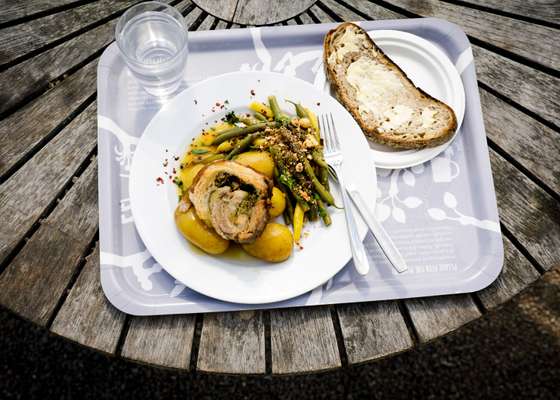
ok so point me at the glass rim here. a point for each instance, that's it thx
(173, 12)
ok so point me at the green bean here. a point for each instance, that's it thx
(248, 120)
(321, 190)
(323, 212)
(324, 177)
(274, 107)
(260, 117)
(243, 145)
(313, 212)
(300, 111)
(286, 178)
(287, 217)
(278, 116)
(304, 205)
(323, 167)
(289, 210)
(318, 158)
(238, 131)
(206, 158)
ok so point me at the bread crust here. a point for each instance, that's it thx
(389, 139)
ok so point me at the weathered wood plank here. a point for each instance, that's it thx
(373, 330)
(232, 343)
(256, 12)
(15, 41)
(162, 340)
(437, 316)
(343, 12)
(221, 25)
(528, 212)
(532, 144)
(223, 9)
(23, 130)
(303, 340)
(534, 90)
(191, 17)
(544, 10)
(207, 23)
(35, 74)
(534, 44)
(34, 281)
(87, 316)
(320, 14)
(305, 18)
(517, 274)
(374, 11)
(12, 10)
(28, 193)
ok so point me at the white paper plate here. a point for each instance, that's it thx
(238, 277)
(430, 69)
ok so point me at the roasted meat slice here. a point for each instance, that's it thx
(233, 199)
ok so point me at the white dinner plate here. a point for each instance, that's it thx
(236, 276)
(430, 69)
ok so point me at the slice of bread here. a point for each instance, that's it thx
(389, 108)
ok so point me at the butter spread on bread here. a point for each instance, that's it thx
(389, 108)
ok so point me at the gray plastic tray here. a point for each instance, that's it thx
(449, 234)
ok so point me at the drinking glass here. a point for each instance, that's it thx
(152, 38)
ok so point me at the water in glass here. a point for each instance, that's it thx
(154, 45)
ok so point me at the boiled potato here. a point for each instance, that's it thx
(260, 161)
(274, 245)
(188, 174)
(196, 232)
(277, 203)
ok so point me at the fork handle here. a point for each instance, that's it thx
(358, 252)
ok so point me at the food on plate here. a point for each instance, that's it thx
(197, 232)
(389, 108)
(232, 199)
(274, 245)
(260, 161)
(277, 203)
(239, 175)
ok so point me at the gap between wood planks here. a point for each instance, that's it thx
(507, 233)
(91, 157)
(503, 13)
(538, 181)
(77, 271)
(51, 135)
(196, 341)
(51, 84)
(44, 13)
(519, 107)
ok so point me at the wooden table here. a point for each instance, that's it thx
(49, 261)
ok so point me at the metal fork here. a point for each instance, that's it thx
(333, 155)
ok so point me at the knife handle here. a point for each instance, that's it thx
(380, 234)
